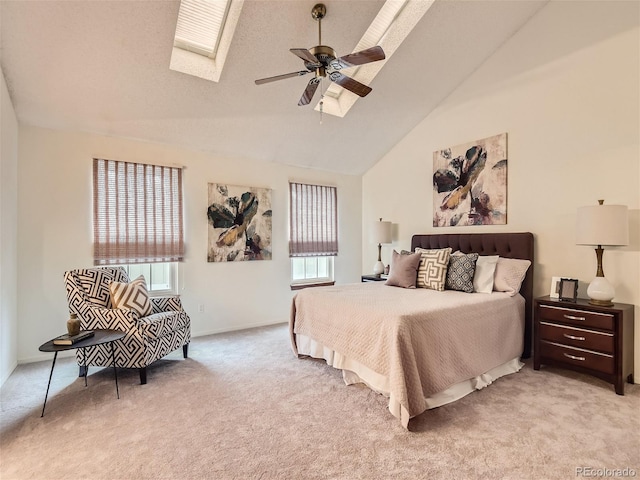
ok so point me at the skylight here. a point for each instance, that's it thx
(203, 36)
(392, 25)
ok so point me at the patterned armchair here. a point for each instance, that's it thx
(148, 338)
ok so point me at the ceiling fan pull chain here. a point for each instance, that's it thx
(321, 99)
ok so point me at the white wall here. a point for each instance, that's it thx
(55, 232)
(8, 233)
(565, 89)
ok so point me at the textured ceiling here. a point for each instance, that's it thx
(103, 67)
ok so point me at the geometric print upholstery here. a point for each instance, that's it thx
(460, 272)
(432, 271)
(156, 325)
(133, 295)
(95, 283)
(147, 338)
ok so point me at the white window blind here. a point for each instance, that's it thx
(313, 220)
(137, 213)
(200, 25)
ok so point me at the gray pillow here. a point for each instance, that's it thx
(404, 270)
(460, 272)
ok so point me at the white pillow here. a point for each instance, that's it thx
(485, 270)
(509, 275)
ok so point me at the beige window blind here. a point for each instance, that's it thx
(313, 220)
(137, 213)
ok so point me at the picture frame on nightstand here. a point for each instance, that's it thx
(555, 287)
(568, 289)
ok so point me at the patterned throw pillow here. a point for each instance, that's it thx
(462, 267)
(133, 296)
(432, 271)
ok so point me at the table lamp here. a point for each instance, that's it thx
(381, 234)
(602, 225)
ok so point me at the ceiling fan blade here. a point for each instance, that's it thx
(305, 55)
(369, 55)
(350, 84)
(309, 91)
(281, 77)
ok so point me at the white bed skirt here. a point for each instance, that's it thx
(355, 372)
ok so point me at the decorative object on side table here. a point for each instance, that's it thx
(555, 287)
(381, 234)
(602, 225)
(568, 289)
(68, 339)
(587, 338)
(73, 325)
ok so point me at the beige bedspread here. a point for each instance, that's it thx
(422, 340)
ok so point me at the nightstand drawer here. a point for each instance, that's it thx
(576, 356)
(577, 337)
(574, 316)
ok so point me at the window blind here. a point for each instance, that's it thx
(313, 220)
(137, 213)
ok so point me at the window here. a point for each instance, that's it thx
(137, 213)
(313, 232)
(311, 269)
(161, 278)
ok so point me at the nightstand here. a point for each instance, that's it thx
(586, 338)
(373, 278)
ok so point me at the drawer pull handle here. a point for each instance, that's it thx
(582, 359)
(573, 337)
(571, 317)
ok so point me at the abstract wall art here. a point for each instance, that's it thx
(470, 183)
(239, 223)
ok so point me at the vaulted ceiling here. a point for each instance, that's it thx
(103, 66)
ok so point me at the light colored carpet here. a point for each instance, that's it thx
(243, 407)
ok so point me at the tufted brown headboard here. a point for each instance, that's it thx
(508, 245)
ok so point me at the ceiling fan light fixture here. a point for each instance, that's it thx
(324, 62)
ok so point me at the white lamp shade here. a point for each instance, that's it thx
(381, 232)
(602, 225)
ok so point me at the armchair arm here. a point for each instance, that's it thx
(95, 316)
(166, 304)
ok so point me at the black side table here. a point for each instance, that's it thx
(99, 337)
(374, 278)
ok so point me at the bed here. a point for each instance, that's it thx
(419, 347)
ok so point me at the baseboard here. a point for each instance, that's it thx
(235, 328)
(8, 373)
(46, 357)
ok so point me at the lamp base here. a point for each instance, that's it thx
(601, 292)
(601, 303)
(378, 268)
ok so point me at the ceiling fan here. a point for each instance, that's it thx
(323, 61)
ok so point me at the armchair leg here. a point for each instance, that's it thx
(185, 350)
(143, 375)
(83, 371)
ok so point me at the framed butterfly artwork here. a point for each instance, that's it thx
(239, 223)
(470, 183)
